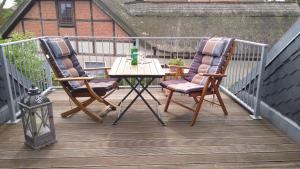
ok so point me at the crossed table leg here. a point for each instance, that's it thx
(139, 94)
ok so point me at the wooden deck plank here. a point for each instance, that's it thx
(138, 141)
(149, 160)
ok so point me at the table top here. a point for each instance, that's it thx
(122, 68)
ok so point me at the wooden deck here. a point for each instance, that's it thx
(138, 141)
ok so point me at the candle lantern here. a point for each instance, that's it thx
(37, 119)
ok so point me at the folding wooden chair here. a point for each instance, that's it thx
(205, 74)
(74, 80)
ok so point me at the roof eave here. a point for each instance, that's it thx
(110, 13)
(13, 20)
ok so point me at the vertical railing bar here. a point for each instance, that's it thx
(50, 83)
(123, 50)
(82, 51)
(164, 51)
(256, 113)
(252, 76)
(177, 47)
(27, 74)
(7, 85)
(243, 73)
(102, 50)
(90, 53)
(94, 48)
(23, 71)
(11, 71)
(237, 69)
(35, 82)
(233, 69)
(183, 51)
(109, 51)
(16, 73)
(247, 75)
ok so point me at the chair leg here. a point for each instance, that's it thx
(199, 103)
(77, 109)
(168, 101)
(195, 99)
(220, 99)
(92, 115)
(98, 98)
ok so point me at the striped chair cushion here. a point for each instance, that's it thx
(214, 47)
(210, 59)
(59, 47)
(66, 61)
(181, 86)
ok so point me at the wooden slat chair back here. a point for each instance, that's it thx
(74, 80)
(205, 73)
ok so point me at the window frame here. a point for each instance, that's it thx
(61, 23)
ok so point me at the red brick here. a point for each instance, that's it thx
(84, 28)
(33, 13)
(103, 29)
(67, 31)
(98, 14)
(18, 28)
(50, 28)
(120, 32)
(48, 9)
(34, 27)
(82, 10)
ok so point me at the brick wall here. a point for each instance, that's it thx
(18, 28)
(103, 29)
(33, 13)
(48, 10)
(82, 10)
(120, 32)
(98, 14)
(34, 27)
(67, 31)
(50, 28)
(84, 29)
(103, 24)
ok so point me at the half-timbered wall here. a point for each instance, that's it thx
(90, 20)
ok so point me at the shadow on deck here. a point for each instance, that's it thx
(138, 141)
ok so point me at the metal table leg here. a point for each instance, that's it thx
(150, 93)
(127, 94)
(139, 94)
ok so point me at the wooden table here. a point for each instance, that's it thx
(151, 69)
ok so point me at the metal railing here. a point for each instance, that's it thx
(24, 64)
(244, 75)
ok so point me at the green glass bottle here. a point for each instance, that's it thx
(134, 54)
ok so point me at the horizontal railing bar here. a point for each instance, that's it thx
(237, 99)
(18, 42)
(252, 43)
(109, 37)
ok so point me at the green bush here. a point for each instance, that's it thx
(23, 57)
(178, 62)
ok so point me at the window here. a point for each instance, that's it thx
(66, 13)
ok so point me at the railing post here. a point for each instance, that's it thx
(7, 85)
(260, 80)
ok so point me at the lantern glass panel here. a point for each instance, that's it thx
(29, 125)
(42, 120)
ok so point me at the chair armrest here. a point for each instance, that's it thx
(214, 75)
(74, 79)
(97, 68)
